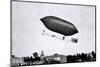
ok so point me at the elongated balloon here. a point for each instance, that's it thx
(59, 25)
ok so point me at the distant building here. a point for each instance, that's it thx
(61, 58)
(90, 55)
(42, 55)
(17, 61)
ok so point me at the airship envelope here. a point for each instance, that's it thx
(59, 25)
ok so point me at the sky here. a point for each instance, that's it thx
(27, 29)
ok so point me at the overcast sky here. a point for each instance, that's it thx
(27, 29)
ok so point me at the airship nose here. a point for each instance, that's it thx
(44, 20)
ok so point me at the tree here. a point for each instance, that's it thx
(37, 58)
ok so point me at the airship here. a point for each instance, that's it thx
(59, 25)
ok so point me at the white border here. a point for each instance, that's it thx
(5, 33)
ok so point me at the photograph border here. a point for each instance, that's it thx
(52, 3)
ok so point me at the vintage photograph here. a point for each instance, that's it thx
(44, 33)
